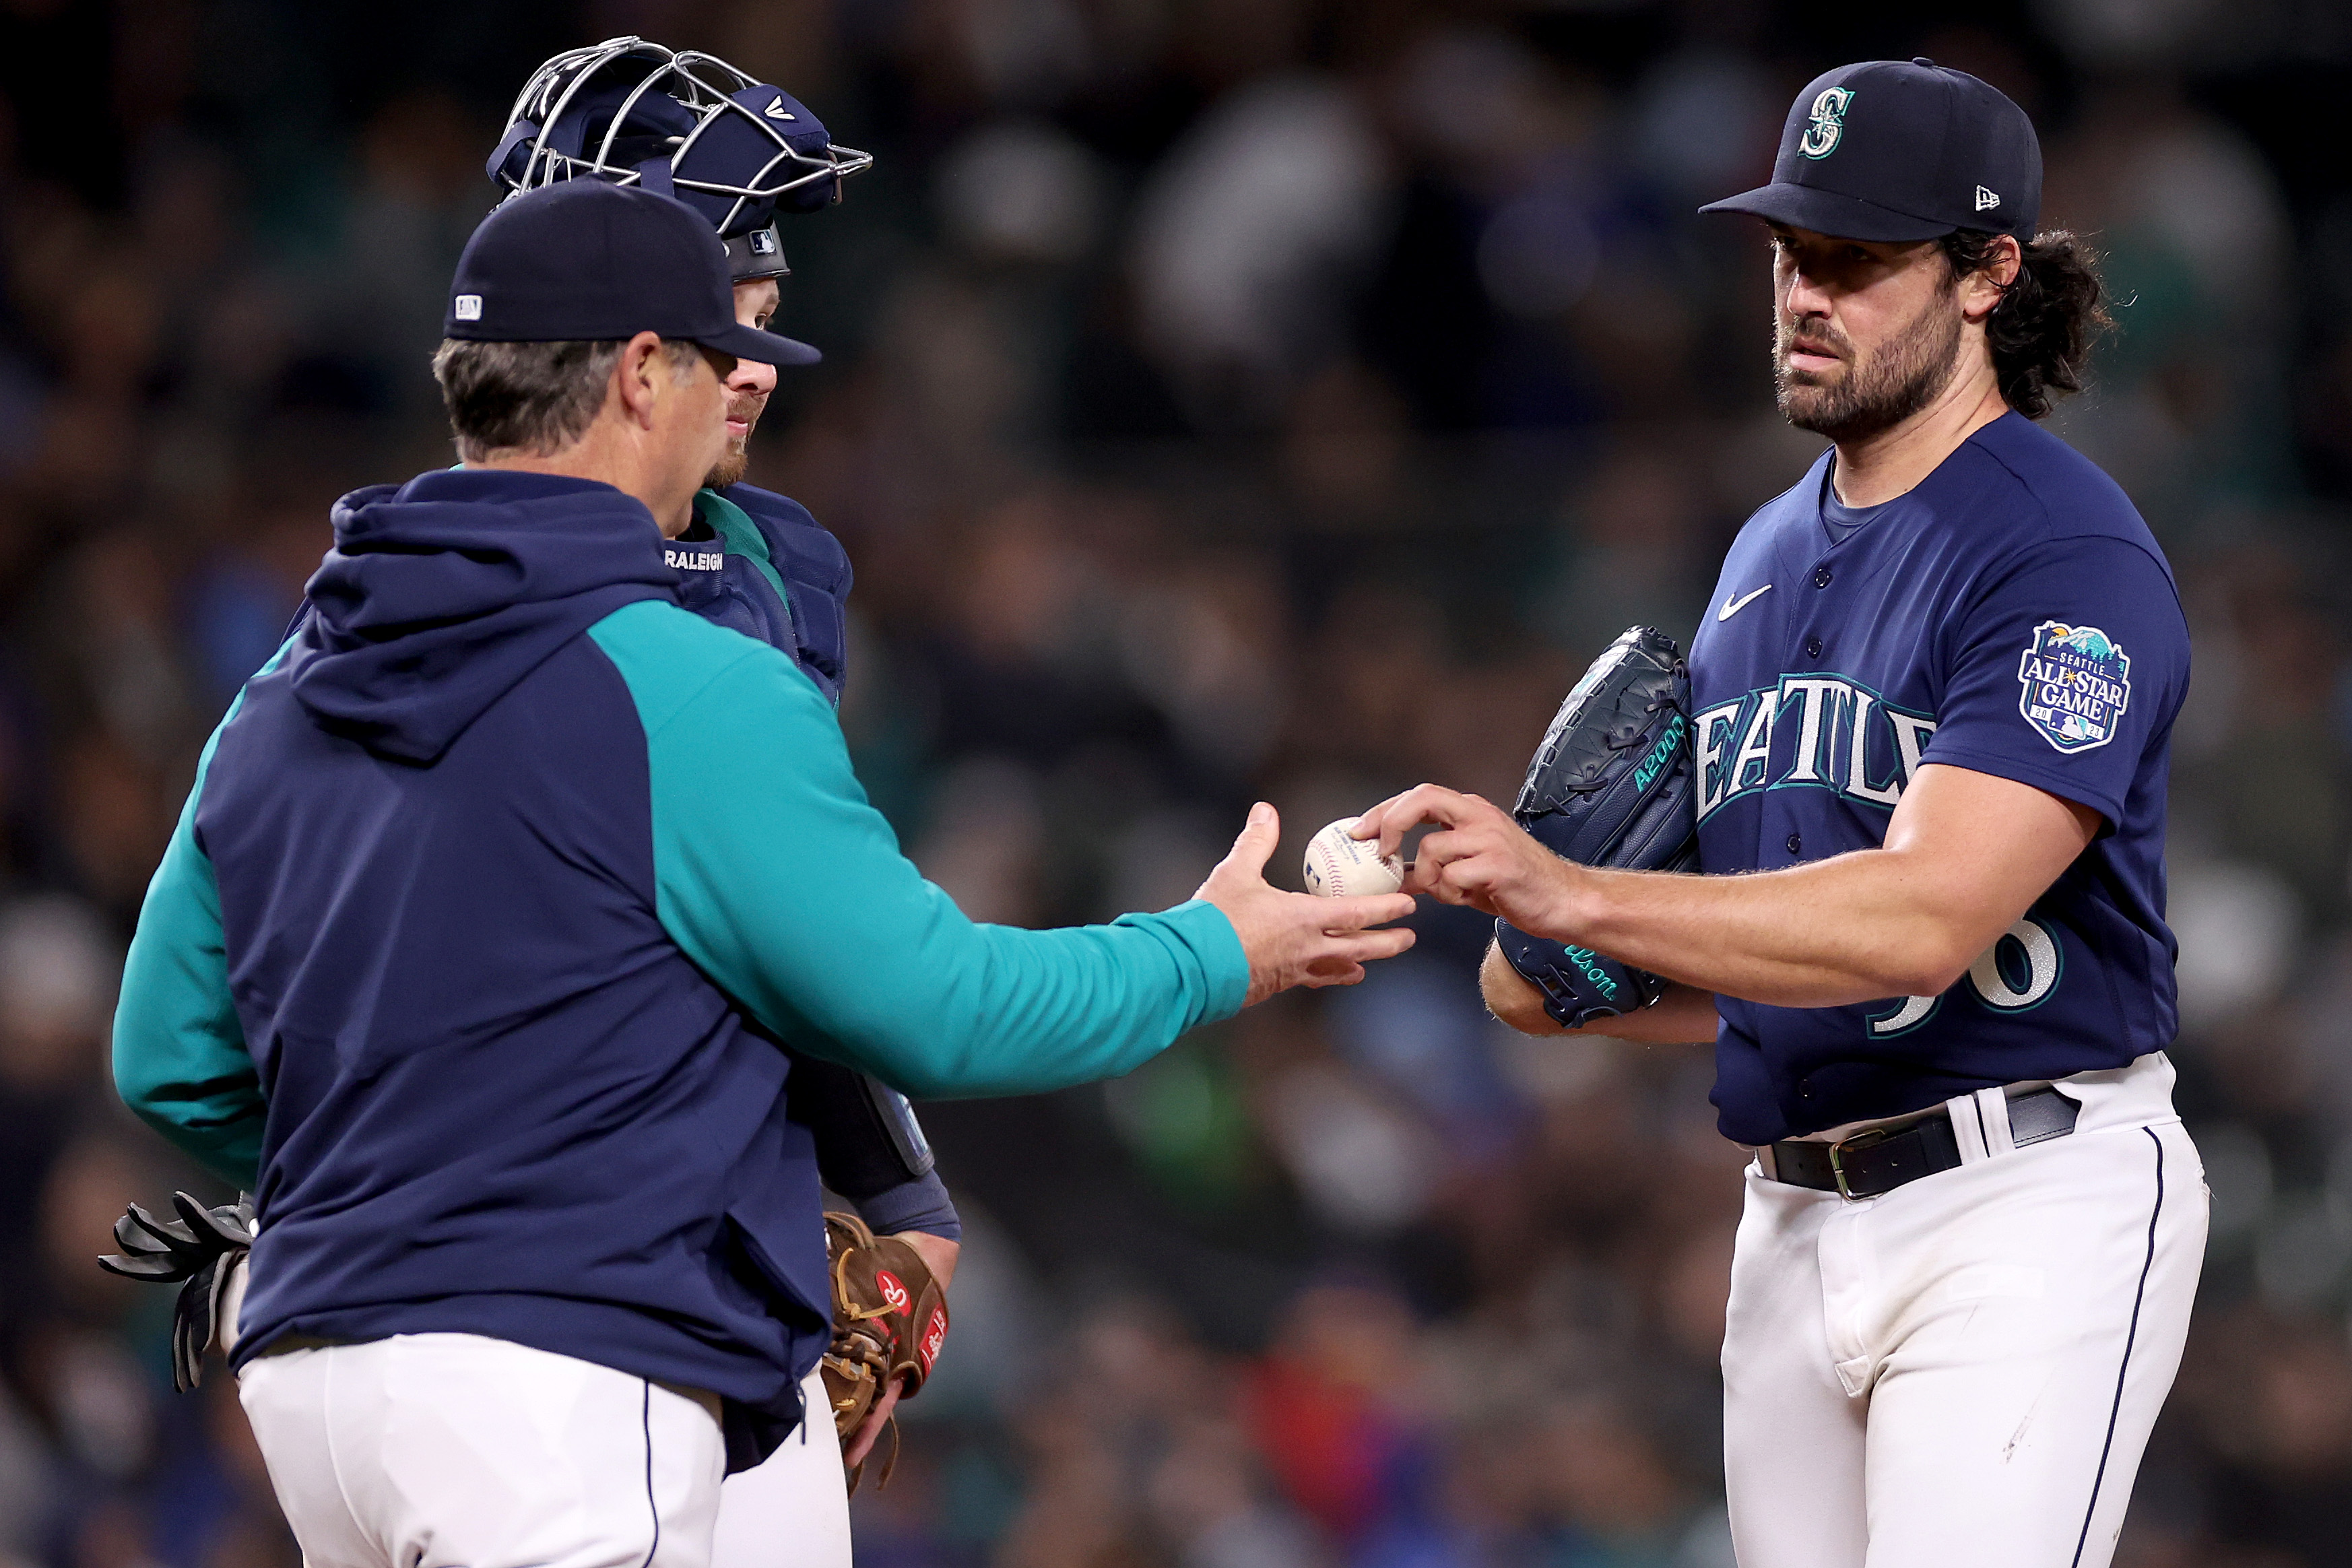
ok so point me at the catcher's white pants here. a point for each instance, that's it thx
(1965, 1370)
(792, 1511)
(458, 1451)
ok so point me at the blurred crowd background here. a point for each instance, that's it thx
(1224, 399)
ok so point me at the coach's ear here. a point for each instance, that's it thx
(639, 379)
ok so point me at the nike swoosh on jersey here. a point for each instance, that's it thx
(1732, 606)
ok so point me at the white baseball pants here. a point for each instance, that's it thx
(560, 1469)
(1965, 1370)
(792, 1510)
(458, 1451)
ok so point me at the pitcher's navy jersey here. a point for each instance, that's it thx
(2010, 615)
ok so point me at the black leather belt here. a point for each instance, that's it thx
(1875, 1160)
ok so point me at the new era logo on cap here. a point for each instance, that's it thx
(1986, 200)
(467, 307)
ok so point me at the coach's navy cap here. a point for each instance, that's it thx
(587, 261)
(1889, 150)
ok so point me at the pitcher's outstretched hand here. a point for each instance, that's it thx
(1296, 939)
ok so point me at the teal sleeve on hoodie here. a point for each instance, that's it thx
(180, 1061)
(779, 880)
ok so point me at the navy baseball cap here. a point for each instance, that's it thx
(1890, 150)
(587, 261)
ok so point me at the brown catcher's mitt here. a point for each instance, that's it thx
(889, 1319)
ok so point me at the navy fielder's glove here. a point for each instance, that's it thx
(1613, 784)
(199, 1252)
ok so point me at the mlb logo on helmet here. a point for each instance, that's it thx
(762, 241)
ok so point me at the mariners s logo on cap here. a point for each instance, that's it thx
(1933, 150)
(1828, 122)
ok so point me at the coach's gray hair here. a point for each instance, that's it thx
(535, 398)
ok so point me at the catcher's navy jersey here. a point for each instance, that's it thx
(2010, 615)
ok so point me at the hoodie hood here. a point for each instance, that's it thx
(440, 595)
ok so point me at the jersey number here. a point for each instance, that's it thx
(2016, 971)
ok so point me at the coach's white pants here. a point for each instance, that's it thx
(792, 1512)
(458, 1451)
(1963, 1371)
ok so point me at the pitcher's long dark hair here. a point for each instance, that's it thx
(2042, 329)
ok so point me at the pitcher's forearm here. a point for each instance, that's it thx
(1965, 855)
(1827, 934)
(1682, 1016)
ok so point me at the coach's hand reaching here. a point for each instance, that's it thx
(1296, 939)
(1479, 857)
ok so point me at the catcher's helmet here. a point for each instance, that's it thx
(687, 125)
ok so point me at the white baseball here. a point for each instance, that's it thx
(1339, 867)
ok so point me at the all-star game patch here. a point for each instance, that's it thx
(2078, 685)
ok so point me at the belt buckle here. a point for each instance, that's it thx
(1867, 1138)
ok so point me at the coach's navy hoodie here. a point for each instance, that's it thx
(496, 889)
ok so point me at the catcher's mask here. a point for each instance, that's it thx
(687, 125)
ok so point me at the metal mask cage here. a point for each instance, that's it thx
(702, 85)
